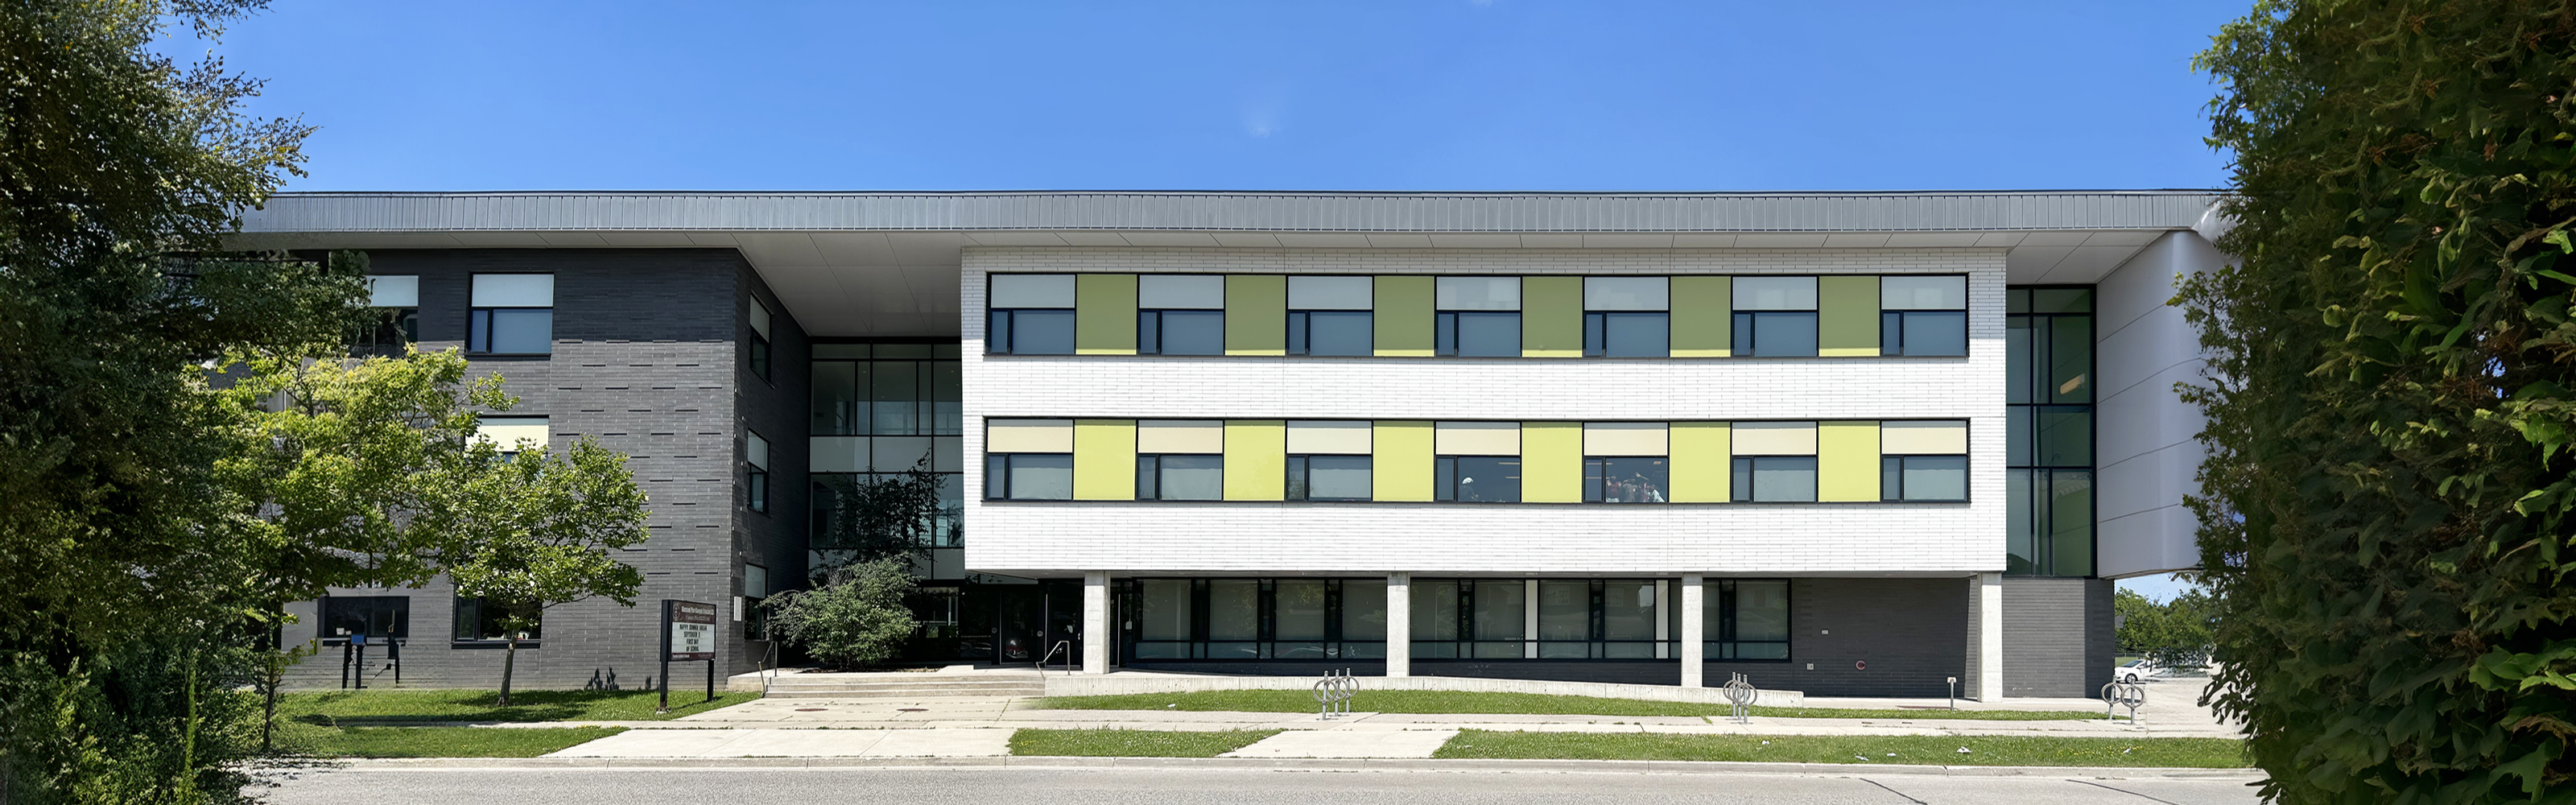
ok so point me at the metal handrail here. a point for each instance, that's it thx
(1061, 645)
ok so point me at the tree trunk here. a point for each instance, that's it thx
(509, 662)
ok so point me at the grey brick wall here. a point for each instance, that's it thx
(2057, 637)
(775, 408)
(648, 361)
(1912, 632)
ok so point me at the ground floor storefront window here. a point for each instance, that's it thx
(1185, 619)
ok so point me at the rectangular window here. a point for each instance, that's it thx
(1028, 476)
(480, 620)
(1923, 316)
(1775, 479)
(511, 314)
(1775, 317)
(1500, 614)
(1627, 317)
(1746, 619)
(755, 472)
(1477, 479)
(1181, 477)
(1030, 314)
(1923, 478)
(395, 322)
(1180, 314)
(1624, 479)
(1477, 317)
(2049, 490)
(1329, 478)
(755, 589)
(376, 616)
(759, 357)
(1332, 316)
(511, 434)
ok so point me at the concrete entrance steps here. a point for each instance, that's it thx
(980, 683)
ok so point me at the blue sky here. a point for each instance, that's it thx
(1387, 95)
(1452, 94)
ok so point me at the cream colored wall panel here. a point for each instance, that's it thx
(1347, 437)
(1180, 436)
(1624, 439)
(1028, 436)
(1919, 438)
(1775, 438)
(1476, 439)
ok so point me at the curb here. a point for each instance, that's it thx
(1303, 764)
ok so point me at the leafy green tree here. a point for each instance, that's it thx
(2385, 521)
(534, 529)
(857, 617)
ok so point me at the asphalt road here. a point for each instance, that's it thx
(984, 786)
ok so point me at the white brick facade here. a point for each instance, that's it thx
(1060, 539)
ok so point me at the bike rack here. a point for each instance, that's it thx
(1333, 693)
(2123, 694)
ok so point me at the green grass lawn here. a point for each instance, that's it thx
(1458, 702)
(2205, 753)
(1131, 743)
(324, 741)
(397, 705)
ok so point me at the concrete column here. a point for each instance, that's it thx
(1985, 673)
(1399, 624)
(1694, 631)
(1097, 632)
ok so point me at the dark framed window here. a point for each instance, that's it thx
(511, 314)
(376, 616)
(755, 472)
(1625, 479)
(1923, 478)
(1923, 315)
(1180, 332)
(394, 320)
(1585, 619)
(1029, 332)
(1745, 619)
(2049, 478)
(1627, 335)
(1253, 619)
(479, 620)
(1330, 478)
(1477, 334)
(1476, 479)
(758, 359)
(1775, 317)
(755, 589)
(1335, 333)
(1028, 476)
(886, 389)
(1180, 477)
(1774, 479)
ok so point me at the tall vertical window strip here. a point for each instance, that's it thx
(1030, 314)
(2048, 339)
(755, 472)
(758, 359)
(511, 314)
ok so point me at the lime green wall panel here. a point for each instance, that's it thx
(1404, 317)
(1400, 467)
(1104, 459)
(1256, 314)
(1256, 459)
(1703, 317)
(1847, 316)
(1552, 462)
(1104, 314)
(1846, 461)
(1702, 458)
(1551, 317)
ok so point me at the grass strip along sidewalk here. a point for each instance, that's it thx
(368, 723)
(399, 705)
(382, 742)
(1131, 743)
(1472, 703)
(1936, 750)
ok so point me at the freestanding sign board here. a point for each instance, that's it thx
(688, 635)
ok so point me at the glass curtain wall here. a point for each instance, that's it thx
(901, 402)
(2049, 445)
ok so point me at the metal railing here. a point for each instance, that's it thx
(1065, 646)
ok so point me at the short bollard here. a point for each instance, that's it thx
(1333, 693)
(1741, 694)
(2118, 694)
